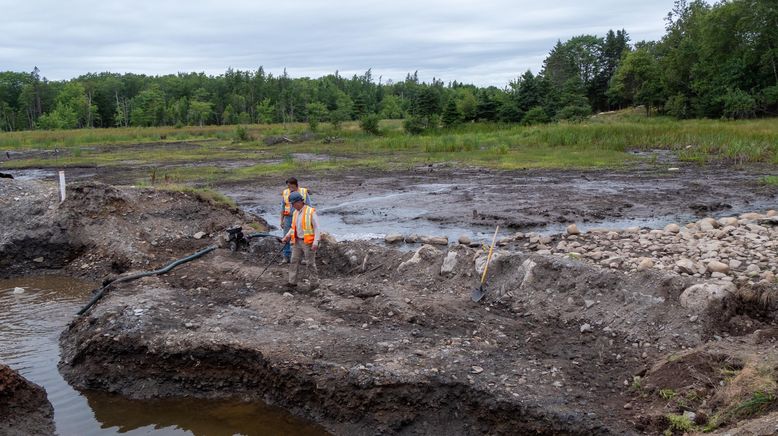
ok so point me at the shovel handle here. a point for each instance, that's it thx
(489, 257)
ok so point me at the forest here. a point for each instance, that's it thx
(715, 61)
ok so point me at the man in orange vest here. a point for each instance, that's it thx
(286, 210)
(304, 235)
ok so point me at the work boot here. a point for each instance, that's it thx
(284, 261)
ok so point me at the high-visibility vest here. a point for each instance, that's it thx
(308, 232)
(287, 193)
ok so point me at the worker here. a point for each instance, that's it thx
(286, 210)
(304, 236)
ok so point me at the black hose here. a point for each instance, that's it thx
(163, 270)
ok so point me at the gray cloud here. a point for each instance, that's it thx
(488, 42)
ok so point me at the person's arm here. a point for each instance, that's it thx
(308, 198)
(316, 229)
(283, 206)
(288, 236)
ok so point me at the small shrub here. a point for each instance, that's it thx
(758, 403)
(536, 115)
(574, 113)
(679, 423)
(677, 106)
(501, 149)
(241, 134)
(369, 123)
(414, 125)
(738, 104)
(666, 394)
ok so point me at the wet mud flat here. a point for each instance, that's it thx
(391, 342)
(449, 201)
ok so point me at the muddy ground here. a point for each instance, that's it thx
(391, 342)
(24, 409)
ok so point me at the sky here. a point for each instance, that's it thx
(484, 42)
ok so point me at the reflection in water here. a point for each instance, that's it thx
(31, 320)
(192, 416)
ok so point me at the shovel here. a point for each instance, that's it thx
(479, 292)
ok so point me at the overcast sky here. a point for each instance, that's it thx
(486, 42)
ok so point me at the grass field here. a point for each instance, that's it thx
(199, 153)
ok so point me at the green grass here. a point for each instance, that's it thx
(678, 423)
(234, 153)
(757, 403)
(769, 180)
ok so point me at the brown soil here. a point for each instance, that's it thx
(386, 344)
(24, 409)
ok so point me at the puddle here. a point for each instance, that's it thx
(30, 325)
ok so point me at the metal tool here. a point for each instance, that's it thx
(479, 292)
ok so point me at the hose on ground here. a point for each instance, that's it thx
(128, 278)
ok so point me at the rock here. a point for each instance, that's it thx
(672, 228)
(767, 276)
(425, 252)
(719, 267)
(734, 264)
(686, 266)
(614, 261)
(698, 297)
(752, 216)
(38, 260)
(645, 264)
(589, 303)
(18, 290)
(199, 235)
(476, 369)
(769, 221)
(572, 229)
(449, 263)
(586, 328)
(465, 240)
(771, 213)
(435, 240)
(394, 237)
(287, 295)
(412, 239)
(504, 241)
(728, 221)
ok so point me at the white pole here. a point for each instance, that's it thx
(61, 186)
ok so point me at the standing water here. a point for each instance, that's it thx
(33, 312)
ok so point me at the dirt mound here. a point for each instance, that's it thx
(101, 229)
(24, 409)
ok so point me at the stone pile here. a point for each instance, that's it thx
(733, 249)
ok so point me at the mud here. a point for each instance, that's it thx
(24, 408)
(391, 342)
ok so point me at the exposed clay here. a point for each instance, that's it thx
(24, 409)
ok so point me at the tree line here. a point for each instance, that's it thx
(714, 61)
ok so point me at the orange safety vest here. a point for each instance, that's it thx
(308, 233)
(287, 193)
